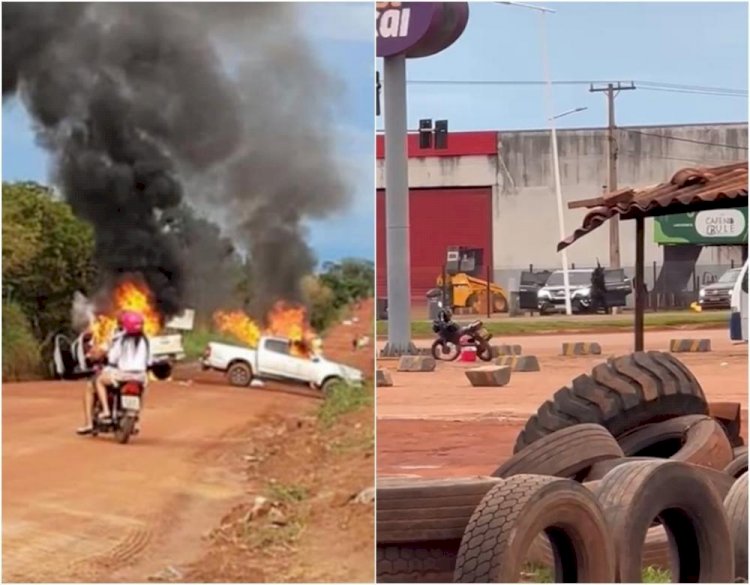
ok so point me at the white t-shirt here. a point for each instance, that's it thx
(129, 354)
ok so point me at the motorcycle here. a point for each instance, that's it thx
(125, 403)
(453, 337)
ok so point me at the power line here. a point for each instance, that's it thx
(704, 161)
(678, 139)
(694, 91)
(692, 87)
(656, 86)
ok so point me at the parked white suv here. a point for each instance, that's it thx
(272, 360)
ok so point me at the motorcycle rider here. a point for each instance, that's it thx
(128, 358)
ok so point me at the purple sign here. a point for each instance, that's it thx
(418, 29)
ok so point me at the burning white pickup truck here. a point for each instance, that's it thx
(273, 359)
(69, 359)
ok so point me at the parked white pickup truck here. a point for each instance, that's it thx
(272, 360)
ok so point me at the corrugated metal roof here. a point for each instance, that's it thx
(690, 189)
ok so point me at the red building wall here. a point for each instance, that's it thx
(438, 218)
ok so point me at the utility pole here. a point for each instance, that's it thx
(614, 224)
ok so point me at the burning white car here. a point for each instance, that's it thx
(274, 359)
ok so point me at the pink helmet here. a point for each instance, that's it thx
(131, 322)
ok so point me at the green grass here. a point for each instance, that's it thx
(341, 399)
(21, 357)
(538, 574)
(505, 326)
(286, 493)
(195, 342)
(656, 575)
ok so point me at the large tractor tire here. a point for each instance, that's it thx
(621, 395)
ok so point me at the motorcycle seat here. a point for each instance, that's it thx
(474, 325)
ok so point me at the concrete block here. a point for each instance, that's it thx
(383, 378)
(581, 348)
(506, 349)
(489, 375)
(416, 363)
(519, 363)
(689, 345)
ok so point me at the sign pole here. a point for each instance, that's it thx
(405, 30)
(397, 207)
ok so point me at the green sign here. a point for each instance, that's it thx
(717, 226)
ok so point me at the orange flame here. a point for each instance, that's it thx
(128, 296)
(283, 320)
(239, 325)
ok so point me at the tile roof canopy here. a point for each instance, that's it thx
(690, 189)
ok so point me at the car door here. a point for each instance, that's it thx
(275, 360)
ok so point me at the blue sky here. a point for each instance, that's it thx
(676, 42)
(342, 37)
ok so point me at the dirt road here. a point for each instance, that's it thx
(436, 424)
(82, 509)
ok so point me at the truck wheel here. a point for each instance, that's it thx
(502, 528)
(330, 384)
(695, 438)
(677, 494)
(621, 395)
(240, 374)
(499, 303)
(564, 453)
(417, 562)
(735, 506)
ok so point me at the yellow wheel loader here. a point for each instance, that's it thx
(464, 285)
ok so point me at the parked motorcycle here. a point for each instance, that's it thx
(452, 337)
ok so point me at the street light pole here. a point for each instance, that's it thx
(559, 197)
(551, 119)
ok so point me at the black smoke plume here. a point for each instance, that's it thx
(141, 114)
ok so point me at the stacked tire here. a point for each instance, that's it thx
(623, 469)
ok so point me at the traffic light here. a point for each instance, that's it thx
(378, 88)
(425, 134)
(441, 134)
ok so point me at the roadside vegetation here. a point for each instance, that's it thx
(342, 399)
(309, 489)
(21, 359)
(505, 326)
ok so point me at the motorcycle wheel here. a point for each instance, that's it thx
(484, 352)
(125, 429)
(445, 350)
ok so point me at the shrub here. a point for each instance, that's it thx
(21, 357)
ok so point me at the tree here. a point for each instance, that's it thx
(47, 255)
(350, 280)
(319, 300)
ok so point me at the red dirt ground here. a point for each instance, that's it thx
(437, 425)
(78, 509)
